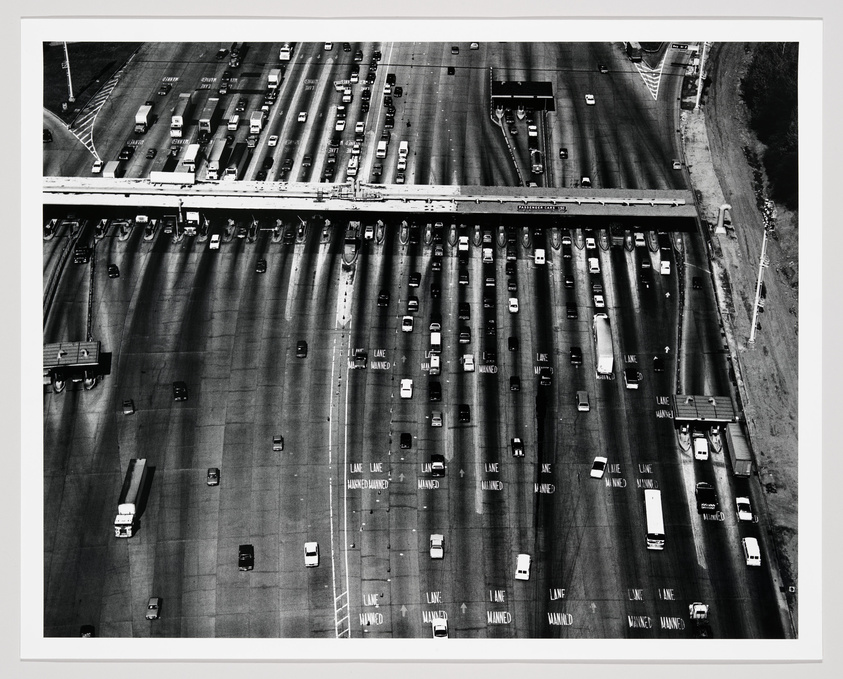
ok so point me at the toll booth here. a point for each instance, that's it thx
(74, 361)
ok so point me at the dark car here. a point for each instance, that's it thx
(48, 136)
(164, 89)
(464, 413)
(398, 91)
(86, 631)
(261, 175)
(126, 153)
(221, 54)
(463, 277)
(241, 106)
(346, 47)
(696, 282)
(390, 110)
(113, 271)
(465, 334)
(510, 268)
(435, 391)
(512, 344)
(464, 311)
(436, 264)
(389, 122)
(246, 557)
(377, 170)
(563, 153)
(490, 357)
(268, 162)
(358, 55)
(387, 100)
(437, 465)
(150, 154)
(301, 349)
(364, 106)
(435, 291)
(658, 364)
(415, 279)
(576, 356)
(491, 327)
(571, 310)
(644, 280)
(406, 440)
(261, 266)
(288, 165)
(376, 55)
(488, 301)
(515, 383)
(569, 282)
(213, 477)
(602, 68)
(383, 298)
(179, 391)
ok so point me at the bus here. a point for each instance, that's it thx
(286, 52)
(602, 333)
(655, 520)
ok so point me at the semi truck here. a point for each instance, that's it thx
(256, 122)
(603, 344)
(133, 485)
(739, 451)
(191, 222)
(275, 76)
(113, 169)
(208, 119)
(143, 119)
(235, 162)
(184, 107)
(191, 157)
(216, 161)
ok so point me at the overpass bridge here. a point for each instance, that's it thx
(414, 199)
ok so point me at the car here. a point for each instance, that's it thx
(407, 324)
(437, 464)
(517, 446)
(631, 378)
(599, 302)
(435, 291)
(164, 89)
(153, 608)
(571, 309)
(522, 567)
(513, 305)
(464, 413)
(358, 55)
(700, 446)
(387, 101)
(241, 106)
(213, 478)
(261, 266)
(412, 304)
(644, 280)
(355, 149)
(696, 283)
(398, 91)
(512, 344)
(589, 99)
(311, 554)
(113, 271)
(488, 300)
(87, 631)
(436, 418)
(128, 407)
(576, 356)
(491, 327)
(400, 178)
(406, 440)
(658, 364)
(569, 282)
(515, 383)
(288, 165)
(346, 47)
(359, 127)
(126, 153)
(463, 277)
(151, 153)
(598, 467)
(261, 175)
(273, 140)
(246, 557)
(590, 243)
(464, 335)
(329, 46)
(585, 182)
(221, 54)
(267, 163)
(340, 125)
(277, 443)
(302, 117)
(96, 168)
(383, 298)
(602, 68)
(406, 388)
(439, 627)
(467, 363)
(434, 391)
(301, 349)
(437, 546)
(677, 164)
(563, 153)
(744, 509)
(179, 391)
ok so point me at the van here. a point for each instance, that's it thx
(434, 364)
(381, 152)
(403, 149)
(488, 257)
(522, 567)
(582, 402)
(665, 268)
(593, 265)
(639, 240)
(540, 256)
(435, 342)
(700, 447)
(352, 167)
(233, 123)
(751, 551)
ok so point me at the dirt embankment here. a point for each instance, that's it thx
(722, 153)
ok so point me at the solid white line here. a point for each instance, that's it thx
(331, 498)
(345, 499)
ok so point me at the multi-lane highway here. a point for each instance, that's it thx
(346, 478)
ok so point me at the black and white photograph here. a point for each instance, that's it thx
(381, 333)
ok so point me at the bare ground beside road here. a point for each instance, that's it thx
(715, 142)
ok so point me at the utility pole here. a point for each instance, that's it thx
(70, 97)
(763, 264)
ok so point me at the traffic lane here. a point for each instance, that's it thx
(68, 313)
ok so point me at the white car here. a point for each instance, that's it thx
(513, 305)
(303, 117)
(462, 246)
(402, 164)
(598, 467)
(369, 232)
(311, 554)
(532, 131)
(153, 608)
(589, 99)
(340, 126)
(468, 363)
(440, 628)
(273, 140)
(329, 46)
(522, 567)
(700, 447)
(590, 243)
(599, 302)
(407, 324)
(215, 242)
(437, 546)
(406, 388)
(96, 168)
(359, 127)
(744, 509)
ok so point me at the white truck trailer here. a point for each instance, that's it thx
(127, 506)
(143, 119)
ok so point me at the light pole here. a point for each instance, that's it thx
(70, 97)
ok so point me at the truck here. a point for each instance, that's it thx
(233, 170)
(143, 119)
(256, 122)
(633, 51)
(208, 118)
(216, 161)
(603, 344)
(698, 612)
(436, 342)
(191, 157)
(183, 109)
(707, 502)
(191, 222)
(286, 52)
(275, 76)
(133, 485)
(739, 452)
(536, 164)
(382, 149)
(113, 169)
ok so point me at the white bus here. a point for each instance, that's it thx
(655, 520)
